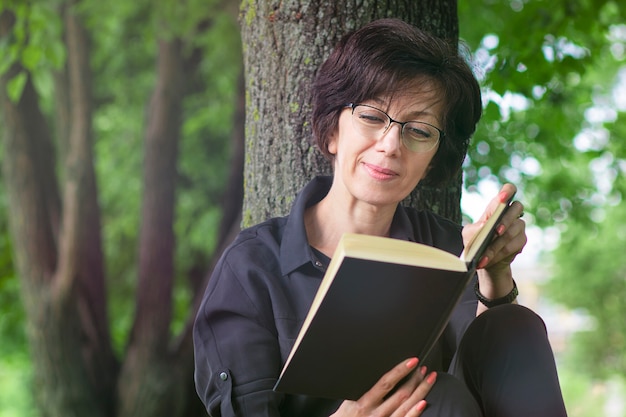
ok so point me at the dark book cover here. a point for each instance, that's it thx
(381, 301)
(374, 315)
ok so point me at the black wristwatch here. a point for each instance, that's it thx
(507, 299)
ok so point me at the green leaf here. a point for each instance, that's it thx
(31, 56)
(15, 86)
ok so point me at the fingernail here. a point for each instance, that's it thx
(411, 363)
(483, 262)
(432, 378)
(503, 197)
(500, 229)
(423, 370)
(421, 405)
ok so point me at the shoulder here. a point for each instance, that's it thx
(259, 244)
(253, 254)
(267, 234)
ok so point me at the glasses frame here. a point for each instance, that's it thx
(442, 134)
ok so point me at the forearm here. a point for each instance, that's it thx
(494, 288)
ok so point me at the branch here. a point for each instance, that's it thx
(29, 176)
(156, 239)
(78, 160)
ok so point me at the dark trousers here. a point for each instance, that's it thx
(504, 368)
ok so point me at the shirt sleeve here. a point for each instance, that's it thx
(237, 355)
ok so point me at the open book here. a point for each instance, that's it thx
(381, 301)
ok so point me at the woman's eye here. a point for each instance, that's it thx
(418, 133)
(371, 118)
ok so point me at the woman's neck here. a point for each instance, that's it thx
(328, 220)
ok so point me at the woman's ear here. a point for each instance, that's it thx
(332, 143)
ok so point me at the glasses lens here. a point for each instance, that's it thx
(370, 121)
(420, 137)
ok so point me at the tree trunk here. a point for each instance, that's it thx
(150, 378)
(58, 252)
(284, 43)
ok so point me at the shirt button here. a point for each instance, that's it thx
(318, 264)
(223, 376)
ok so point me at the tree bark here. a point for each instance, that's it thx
(284, 43)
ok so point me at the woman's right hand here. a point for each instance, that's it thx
(406, 401)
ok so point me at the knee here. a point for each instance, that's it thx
(451, 397)
(512, 320)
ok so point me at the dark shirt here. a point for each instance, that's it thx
(259, 295)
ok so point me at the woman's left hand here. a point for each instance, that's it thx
(494, 268)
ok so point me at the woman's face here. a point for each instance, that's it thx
(382, 171)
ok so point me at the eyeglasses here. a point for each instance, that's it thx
(373, 123)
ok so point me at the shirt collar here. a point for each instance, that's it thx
(295, 250)
(401, 226)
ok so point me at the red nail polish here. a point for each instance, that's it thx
(411, 363)
(423, 371)
(432, 378)
(500, 229)
(421, 405)
(483, 262)
(503, 197)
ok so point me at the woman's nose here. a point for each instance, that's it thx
(391, 141)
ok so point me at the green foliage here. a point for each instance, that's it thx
(586, 397)
(552, 126)
(539, 87)
(205, 155)
(15, 378)
(11, 312)
(34, 42)
(591, 275)
(15, 369)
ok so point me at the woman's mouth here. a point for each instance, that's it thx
(380, 173)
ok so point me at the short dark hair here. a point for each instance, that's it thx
(384, 57)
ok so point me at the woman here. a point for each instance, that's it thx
(393, 107)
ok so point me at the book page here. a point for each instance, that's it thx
(397, 251)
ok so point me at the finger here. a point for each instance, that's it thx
(506, 193)
(506, 246)
(388, 382)
(514, 213)
(418, 409)
(398, 402)
(469, 231)
(415, 404)
(424, 387)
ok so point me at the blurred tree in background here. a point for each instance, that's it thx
(95, 99)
